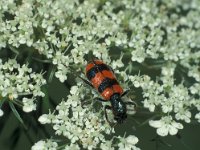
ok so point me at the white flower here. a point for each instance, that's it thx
(166, 125)
(107, 41)
(1, 113)
(117, 63)
(197, 116)
(128, 143)
(168, 70)
(183, 114)
(45, 145)
(131, 139)
(138, 55)
(167, 104)
(40, 145)
(61, 76)
(195, 89)
(106, 145)
(72, 147)
(74, 90)
(149, 104)
(29, 105)
(44, 119)
(194, 72)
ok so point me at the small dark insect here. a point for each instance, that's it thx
(102, 78)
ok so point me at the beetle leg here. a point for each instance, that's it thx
(86, 81)
(96, 98)
(125, 93)
(106, 115)
(111, 69)
(131, 103)
(93, 61)
(83, 103)
(100, 99)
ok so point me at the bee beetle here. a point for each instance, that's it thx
(102, 78)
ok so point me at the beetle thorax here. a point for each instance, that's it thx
(118, 107)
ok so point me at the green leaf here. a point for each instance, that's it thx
(147, 121)
(16, 113)
(45, 100)
(13, 49)
(41, 60)
(165, 143)
(2, 101)
(51, 73)
(15, 138)
(179, 137)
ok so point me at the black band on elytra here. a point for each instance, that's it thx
(107, 82)
(94, 70)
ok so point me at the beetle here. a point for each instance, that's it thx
(102, 78)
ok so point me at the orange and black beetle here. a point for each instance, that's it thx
(102, 78)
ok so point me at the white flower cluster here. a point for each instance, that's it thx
(17, 82)
(169, 100)
(64, 30)
(159, 33)
(69, 32)
(172, 40)
(83, 126)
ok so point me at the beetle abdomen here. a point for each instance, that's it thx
(103, 79)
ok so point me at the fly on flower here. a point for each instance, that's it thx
(102, 78)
